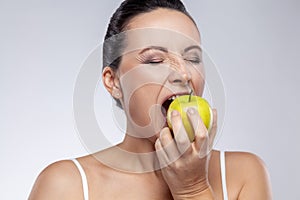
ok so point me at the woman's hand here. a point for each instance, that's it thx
(184, 164)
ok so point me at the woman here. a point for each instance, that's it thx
(143, 69)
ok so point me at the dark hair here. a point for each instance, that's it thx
(118, 22)
(113, 45)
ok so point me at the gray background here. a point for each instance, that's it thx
(43, 44)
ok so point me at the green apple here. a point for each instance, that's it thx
(182, 103)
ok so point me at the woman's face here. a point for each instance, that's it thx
(162, 58)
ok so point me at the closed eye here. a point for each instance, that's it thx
(193, 60)
(152, 56)
(155, 61)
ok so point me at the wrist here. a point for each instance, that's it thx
(203, 192)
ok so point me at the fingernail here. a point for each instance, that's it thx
(191, 111)
(175, 113)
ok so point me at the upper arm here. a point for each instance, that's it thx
(57, 181)
(256, 183)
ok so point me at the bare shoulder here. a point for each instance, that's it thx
(59, 180)
(250, 172)
(245, 161)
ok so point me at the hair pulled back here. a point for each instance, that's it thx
(127, 10)
(113, 44)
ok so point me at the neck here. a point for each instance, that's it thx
(138, 145)
(140, 153)
(134, 155)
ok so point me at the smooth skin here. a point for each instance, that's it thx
(195, 175)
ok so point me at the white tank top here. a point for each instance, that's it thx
(223, 177)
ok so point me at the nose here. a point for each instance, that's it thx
(180, 73)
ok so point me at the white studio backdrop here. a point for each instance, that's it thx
(44, 43)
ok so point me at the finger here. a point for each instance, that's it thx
(213, 130)
(161, 154)
(200, 131)
(180, 135)
(169, 145)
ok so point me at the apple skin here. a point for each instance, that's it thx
(182, 103)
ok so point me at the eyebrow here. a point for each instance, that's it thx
(163, 49)
(192, 47)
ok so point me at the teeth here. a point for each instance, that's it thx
(172, 97)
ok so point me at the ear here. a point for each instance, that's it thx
(111, 82)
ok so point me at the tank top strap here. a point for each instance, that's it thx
(83, 179)
(223, 175)
(222, 165)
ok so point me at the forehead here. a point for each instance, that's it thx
(162, 27)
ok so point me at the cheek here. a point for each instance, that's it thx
(198, 80)
(141, 102)
(199, 86)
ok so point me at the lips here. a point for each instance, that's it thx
(168, 100)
